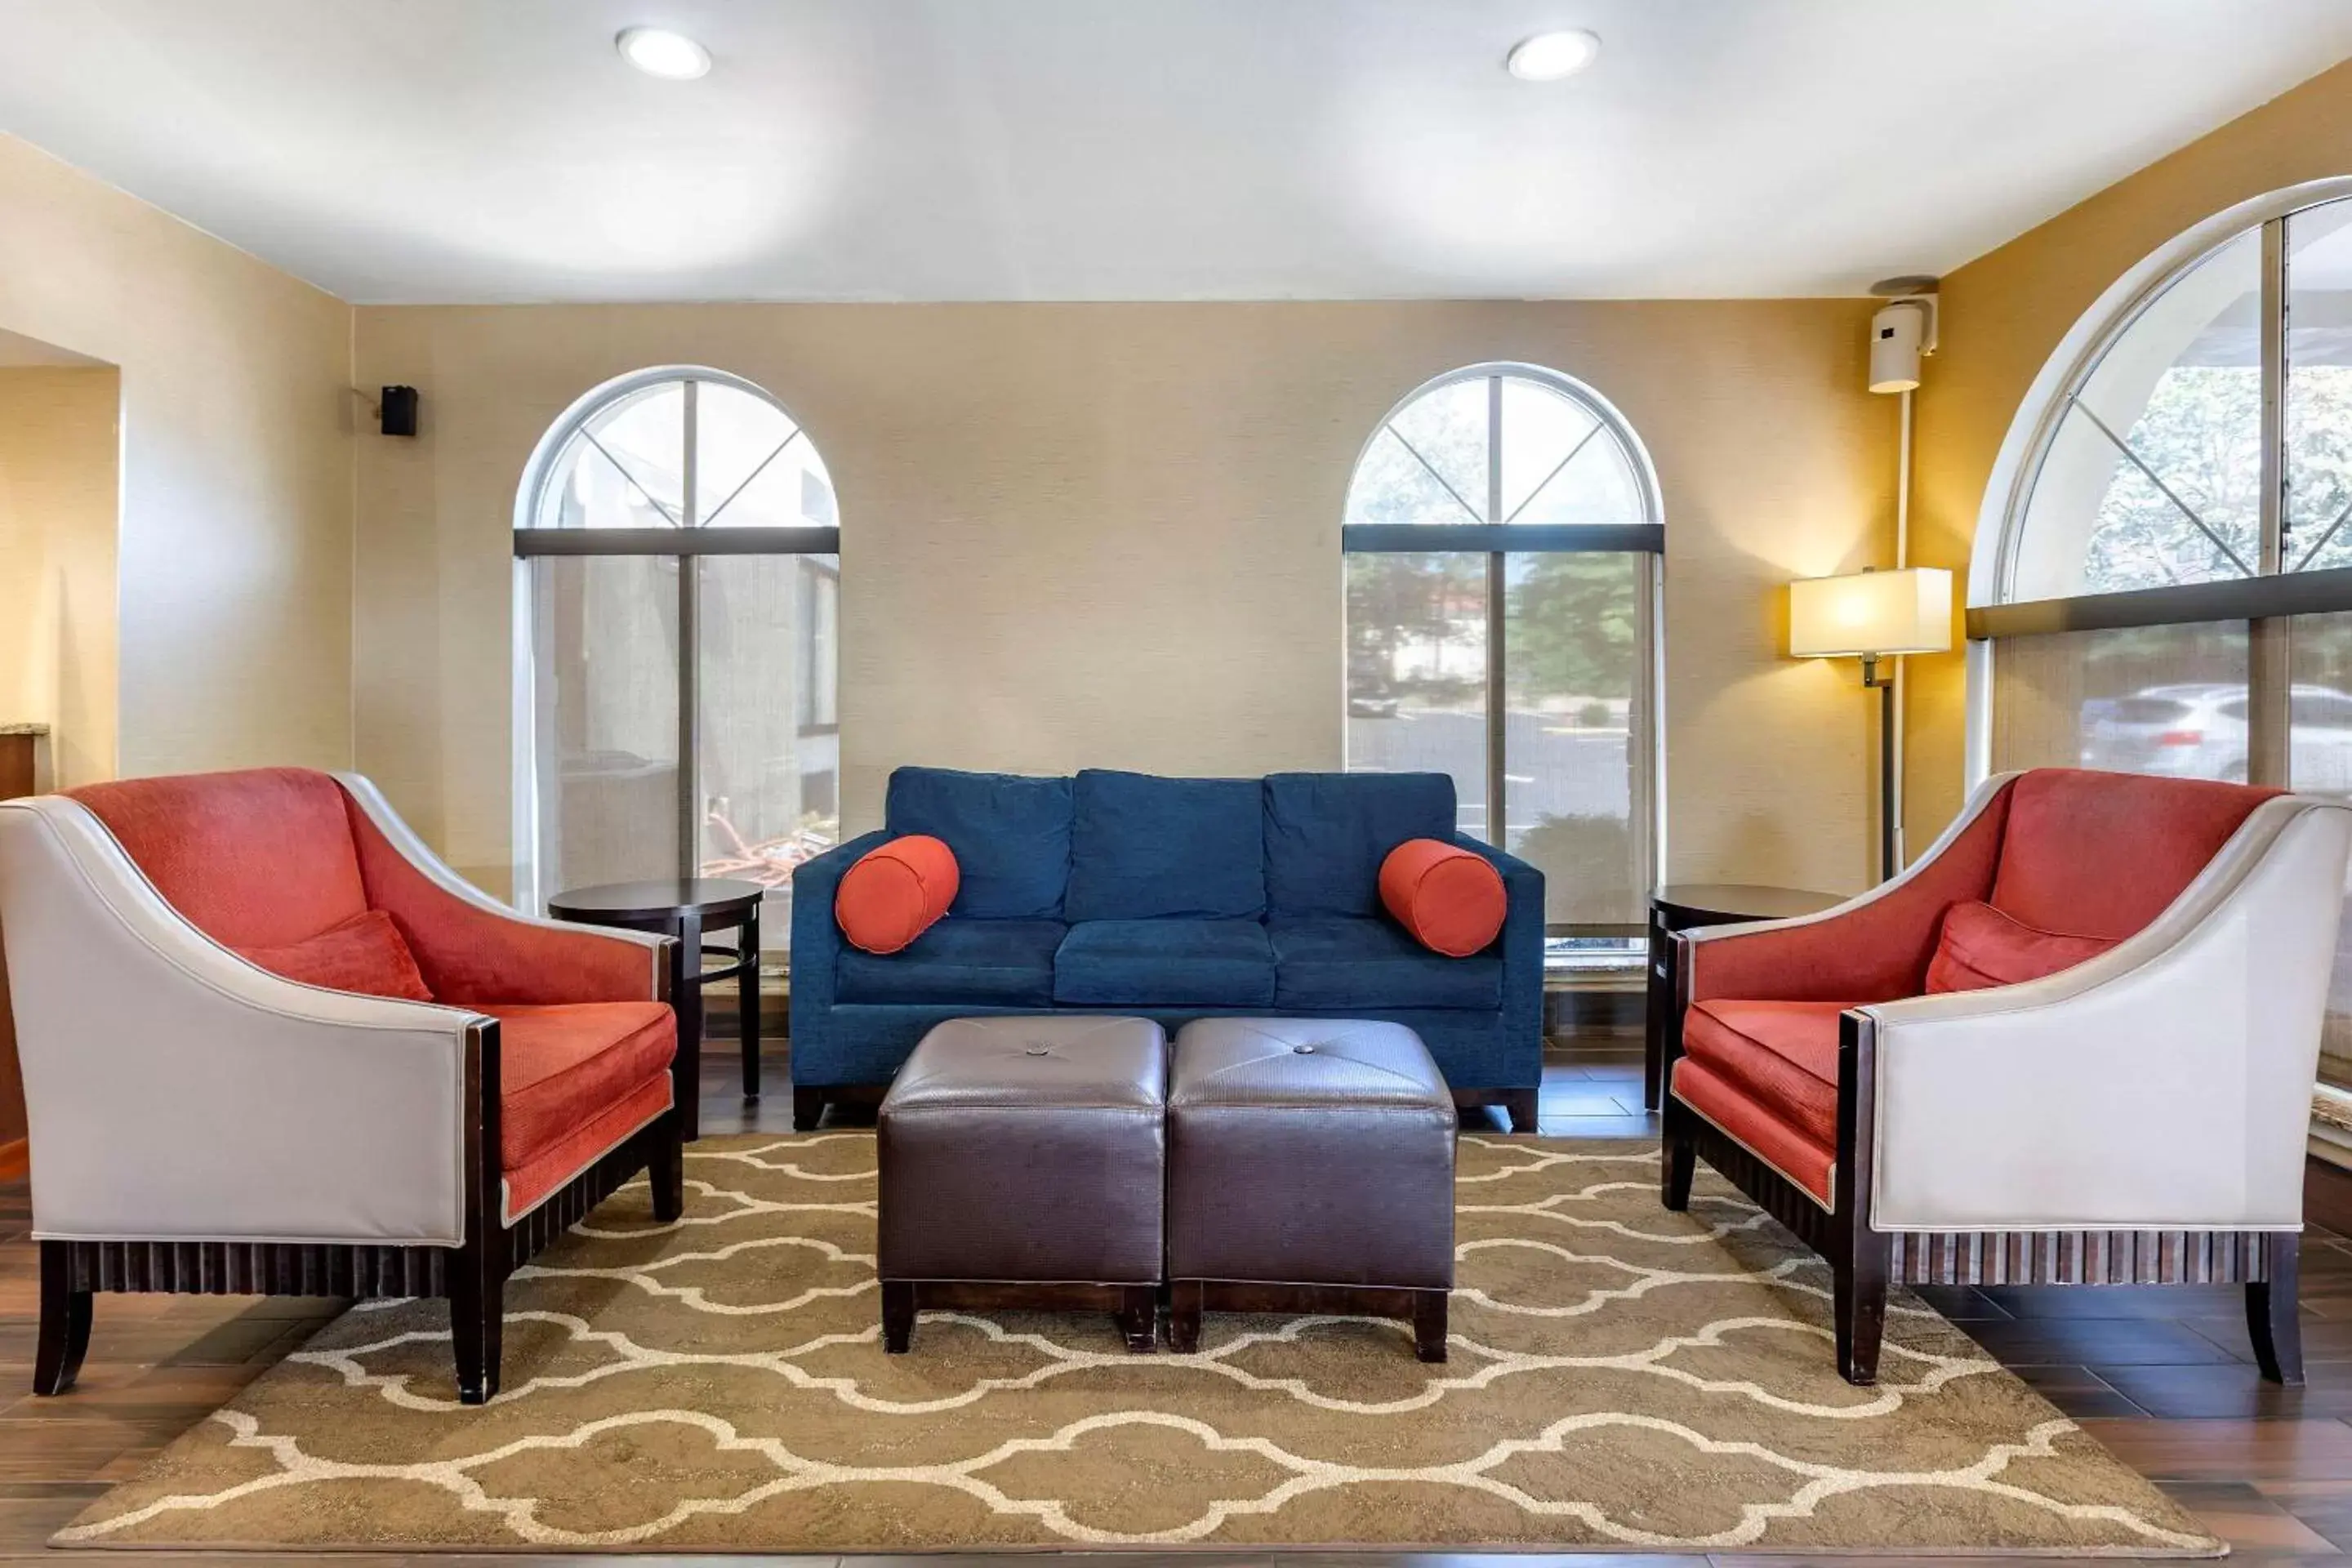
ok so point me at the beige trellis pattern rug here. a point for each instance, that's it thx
(1620, 1377)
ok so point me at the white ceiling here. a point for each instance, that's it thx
(499, 150)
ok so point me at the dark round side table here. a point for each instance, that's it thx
(689, 909)
(1685, 906)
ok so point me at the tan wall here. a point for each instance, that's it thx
(235, 546)
(1108, 534)
(2004, 314)
(58, 503)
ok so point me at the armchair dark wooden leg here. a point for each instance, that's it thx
(897, 1315)
(477, 1288)
(1858, 1288)
(666, 1169)
(1522, 1104)
(65, 1324)
(808, 1109)
(478, 1269)
(1860, 1258)
(2273, 1312)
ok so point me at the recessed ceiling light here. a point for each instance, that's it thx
(1548, 57)
(673, 57)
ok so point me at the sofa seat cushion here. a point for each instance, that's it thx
(985, 963)
(1165, 963)
(563, 1066)
(1338, 962)
(1782, 1055)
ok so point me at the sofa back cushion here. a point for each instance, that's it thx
(1144, 848)
(2101, 855)
(1010, 835)
(258, 859)
(1326, 834)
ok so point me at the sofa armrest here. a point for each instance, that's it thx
(474, 950)
(2165, 1084)
(1522, 944)
(816, 936)
(1872, 948)
(177, 1091)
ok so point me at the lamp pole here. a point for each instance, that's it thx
(1884, 687)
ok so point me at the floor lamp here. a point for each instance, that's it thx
(1873, 616)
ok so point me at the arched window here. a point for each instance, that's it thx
(678, 548)
(1501, 549)
(2163, 580)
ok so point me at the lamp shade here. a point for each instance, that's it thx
(1905, 611)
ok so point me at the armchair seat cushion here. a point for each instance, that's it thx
(1782, 1055)
(1331, 962)
(986, 963)
(563, 1066)
(1165, 963)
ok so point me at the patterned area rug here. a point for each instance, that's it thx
(1620, 1376)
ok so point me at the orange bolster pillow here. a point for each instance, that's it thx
(1451, 899)
(896, 891)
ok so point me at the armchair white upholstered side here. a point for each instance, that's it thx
(177, 1091)
(2164, 1084)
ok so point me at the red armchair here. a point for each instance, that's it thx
(272, 1045)
(2131, 1106)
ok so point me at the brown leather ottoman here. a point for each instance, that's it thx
(1023, 1165)
(1310, 1169)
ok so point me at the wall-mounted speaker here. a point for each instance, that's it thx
(396, 410)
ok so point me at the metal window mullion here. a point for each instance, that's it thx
(2270, 659)
(689, 659)
(1497, 710)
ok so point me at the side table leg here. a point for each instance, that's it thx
(747, 1003)
(686, 988)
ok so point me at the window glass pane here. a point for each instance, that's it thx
(2319, 386)
(769, 775)
(1573, 760)
(2148, 699)
(1448, 427)
(2154, 474)
(626, 466)
(754, 466)
(1391, 487)
(2319, 762)
(605, 678)
(1417, 672)
(1561, 463)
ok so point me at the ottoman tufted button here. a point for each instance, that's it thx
(1302, 1050)
(1039, 1051)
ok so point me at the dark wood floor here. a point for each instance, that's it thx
(2162, 1376)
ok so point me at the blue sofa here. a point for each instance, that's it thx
(1173, 899)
